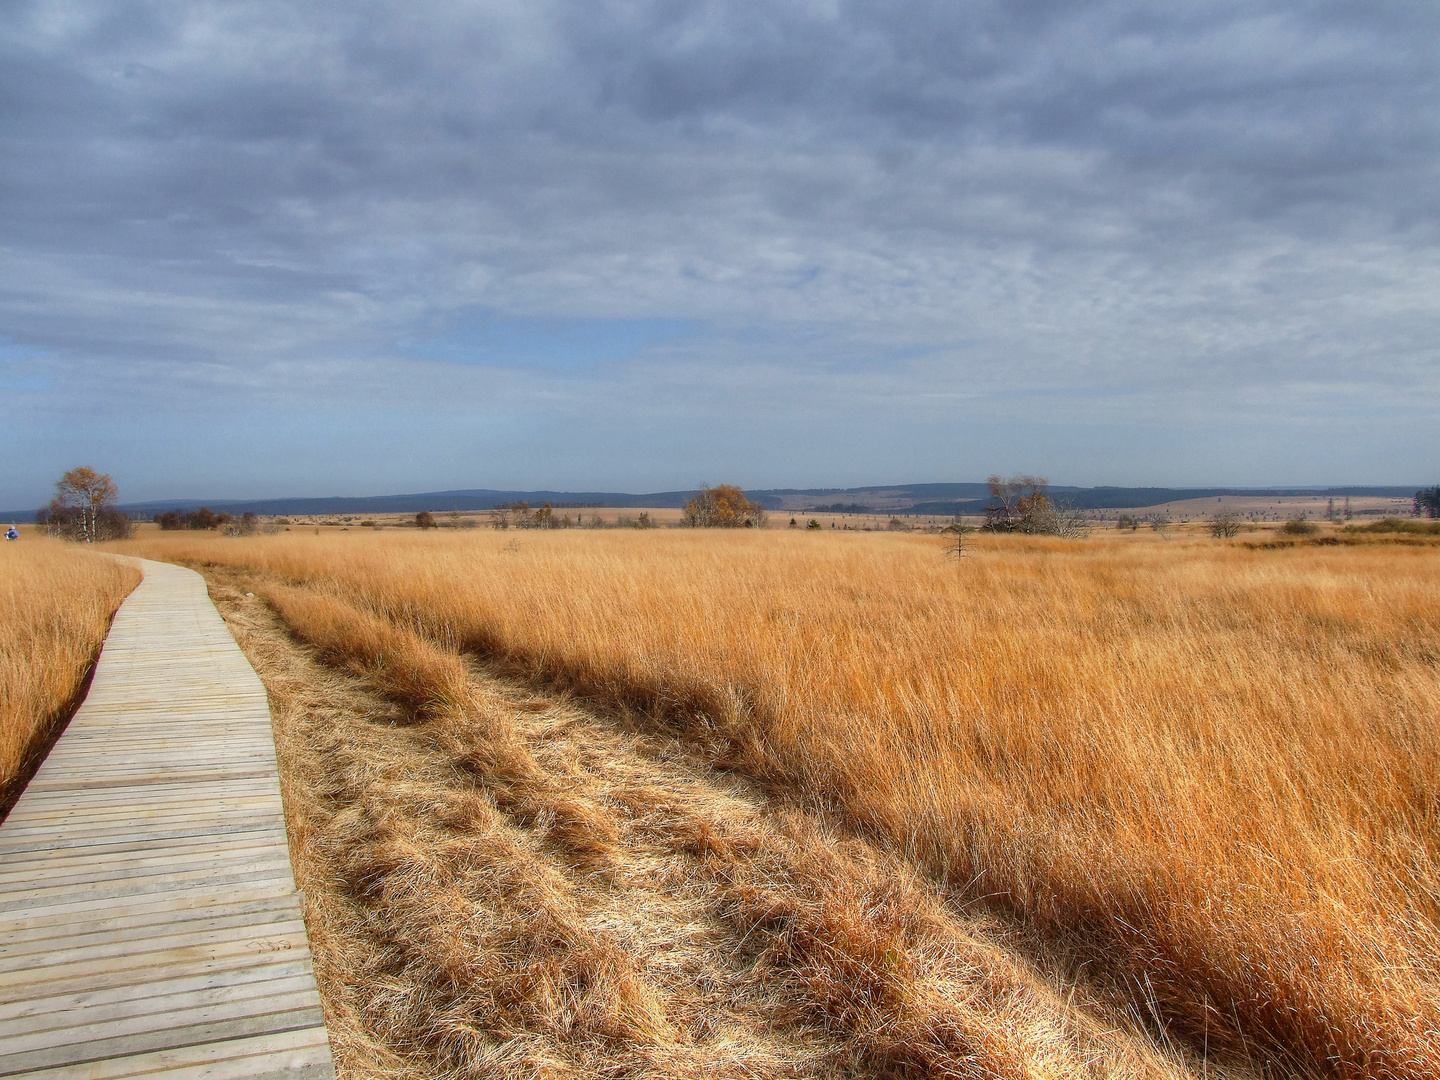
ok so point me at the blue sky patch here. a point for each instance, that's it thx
(485, 339)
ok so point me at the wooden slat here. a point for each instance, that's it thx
(149, 921)
(302, 1055)
(160, 985)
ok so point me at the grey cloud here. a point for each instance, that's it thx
(267, 200)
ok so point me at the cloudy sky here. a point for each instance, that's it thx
(270, 248)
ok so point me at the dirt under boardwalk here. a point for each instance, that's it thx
(536, 891)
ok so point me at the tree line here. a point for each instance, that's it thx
(205, 518)
(84, 510)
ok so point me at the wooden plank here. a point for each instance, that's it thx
(131, 936)
(165, 1039)
(36, 968)
(28, 939)
(119, 882)
(92, 850)
(161, 986)
(44, 805)
(114, 902)
(152, 887)
(146, 777)
(149, 921)
(102, 828)
(164, 851)
(302, 1054)
(179, 964)
(232, 1003)
(159, 802)
(173, 902)
(107, 834)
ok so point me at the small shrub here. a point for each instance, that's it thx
(812, 524)
(425, 519)
(1298, 526)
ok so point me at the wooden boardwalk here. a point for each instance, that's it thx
(149, 922)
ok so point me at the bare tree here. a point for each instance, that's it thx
(1225, 524)
(1299, 525)
(81, 506)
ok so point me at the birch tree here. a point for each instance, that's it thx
(84, 491)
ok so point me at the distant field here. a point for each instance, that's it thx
(1281, 507)
(1198, 776)
(56, 601)
(1189, 513)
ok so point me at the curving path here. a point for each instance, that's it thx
(149, 921)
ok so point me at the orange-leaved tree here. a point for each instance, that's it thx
(725, 506)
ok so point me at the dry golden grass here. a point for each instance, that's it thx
(56, 602)
(500, 884)
(1202, 774)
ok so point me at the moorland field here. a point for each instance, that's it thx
(750, 803)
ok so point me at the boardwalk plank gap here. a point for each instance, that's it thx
(149, 921)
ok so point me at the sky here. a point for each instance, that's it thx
(309, 248)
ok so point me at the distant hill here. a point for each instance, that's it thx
(902, 498)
